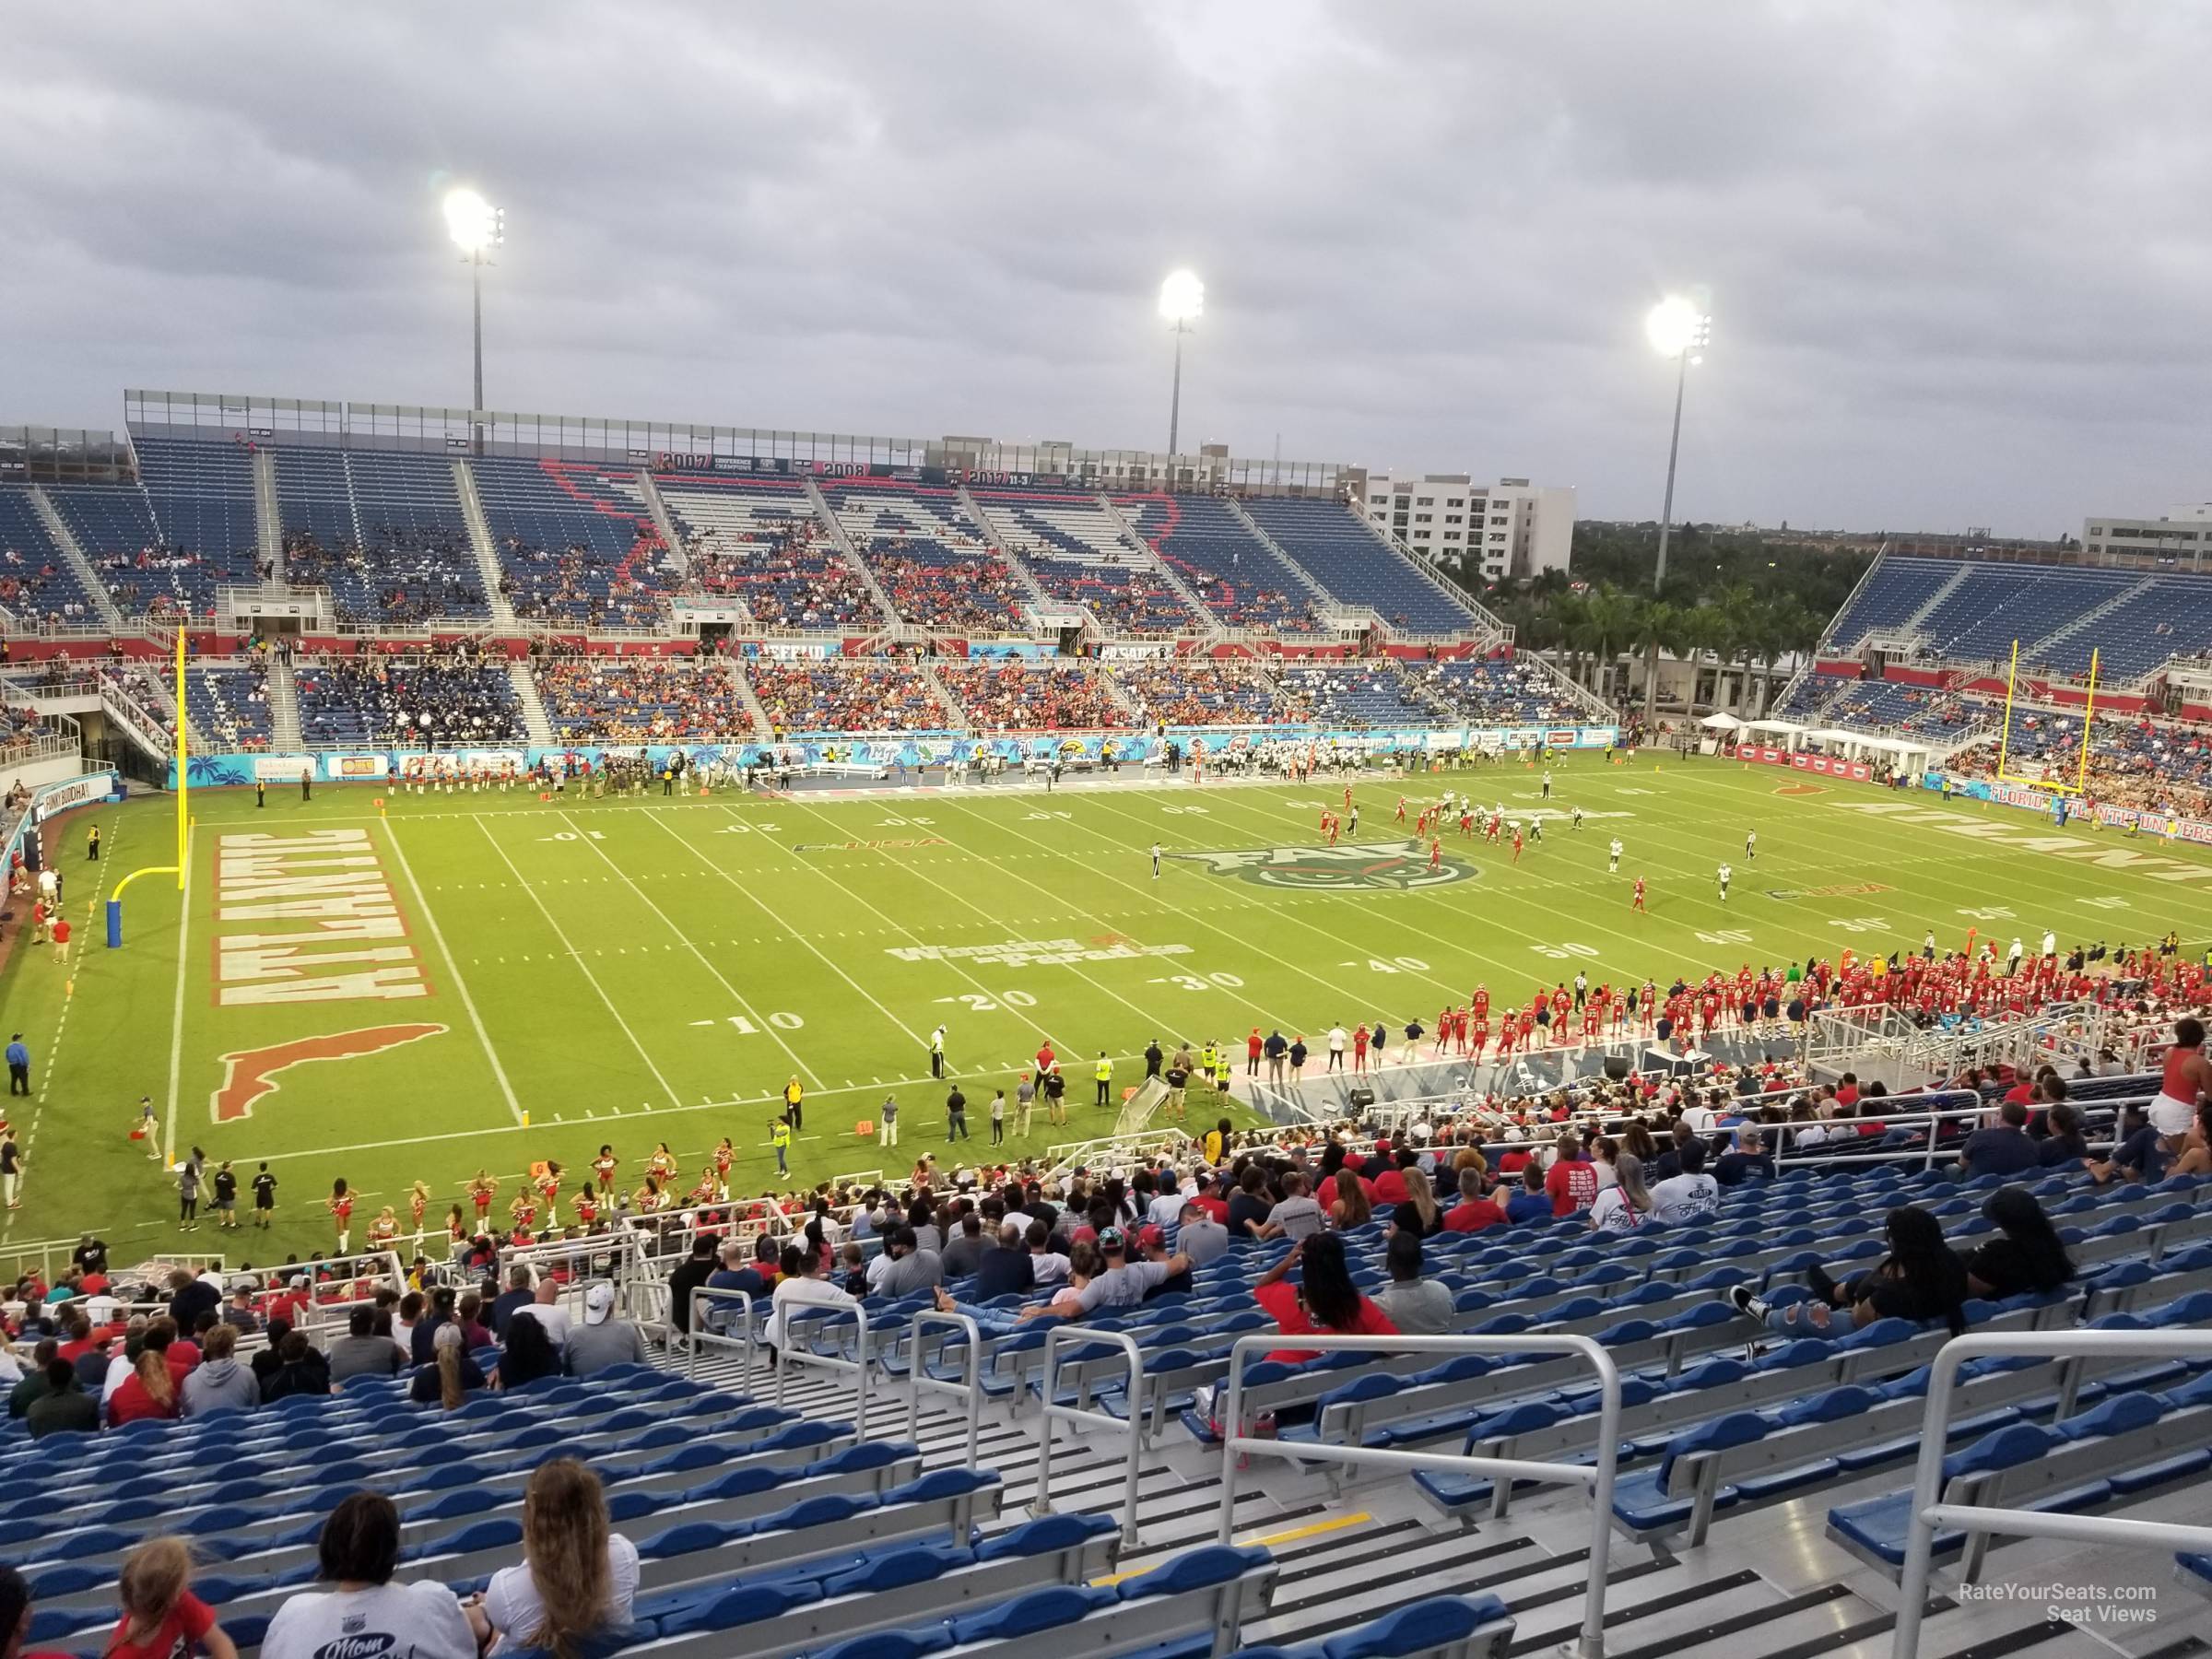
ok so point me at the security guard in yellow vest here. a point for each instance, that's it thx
(1105, 1077)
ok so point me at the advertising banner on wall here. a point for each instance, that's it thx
(1831, 766)
(352, 768)
(76, 792)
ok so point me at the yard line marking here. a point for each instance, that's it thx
(912, 1036)
(1332, 988)
(582, 965)
(176, 1017)
(460, 984)
(454, 1135)
(1107, 990)
(1006, 1008)
(759, 1019)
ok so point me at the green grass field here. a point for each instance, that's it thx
(635, 971)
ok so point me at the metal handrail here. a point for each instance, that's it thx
(967, 1390)
(1929, 1514)
(1930, 1121)
(700, 1337)
(791, 1354)
(1597, 1475)
(1051, 1412)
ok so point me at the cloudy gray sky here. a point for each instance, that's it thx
(1956, 251)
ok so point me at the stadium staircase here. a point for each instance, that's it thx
(763, 729)
(679, 555)
(488, 555)
(146, 729)
(1486, 620)
(1952, 586)
(2036, 650)
(268, 516)
(65, 539)
(284, 705)
(961, 722)
(535, 723)
(1039, 599)
(893, 627)
(1154, 562)
(1324, 600)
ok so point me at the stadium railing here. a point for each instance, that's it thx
(1597, 1475)
(1927, 1128)
(1929, 1513)
(919, 1381)
(858, 1364)
(703, 1335)
(1053, 1412)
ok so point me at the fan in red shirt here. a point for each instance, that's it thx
(1571, 1183)
(1473, 1212)
(153, 1388)
(1325, 1303)
(161, 1618)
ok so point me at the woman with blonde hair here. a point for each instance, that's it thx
(1350, 1208)
(1622, 1207)
(161, 1618)
(577, 1579)
(450, 1373)
(157, 1377)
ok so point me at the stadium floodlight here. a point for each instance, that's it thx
(1681, 329)
(477, 228)
(1181, 299)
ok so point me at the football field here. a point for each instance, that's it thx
(458, 981)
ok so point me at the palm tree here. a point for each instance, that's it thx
(1657, 623)
(1610, 618)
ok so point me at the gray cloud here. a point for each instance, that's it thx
(1955, 270)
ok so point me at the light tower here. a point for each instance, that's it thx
(1678, 329)
(1181, 299)
(477, 228)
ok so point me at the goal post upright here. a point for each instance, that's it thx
(2089, 717)
(178, 869)
(2012, 674)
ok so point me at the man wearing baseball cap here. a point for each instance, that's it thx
(602, 1339)
(1126, 1281)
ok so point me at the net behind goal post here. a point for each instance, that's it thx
(1138, 1109)
(2065, 775)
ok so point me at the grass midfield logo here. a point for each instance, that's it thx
(1368, 866)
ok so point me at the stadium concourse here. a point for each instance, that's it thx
(615, 776)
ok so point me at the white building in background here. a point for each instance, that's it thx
(1512, 528)
(2182, 534)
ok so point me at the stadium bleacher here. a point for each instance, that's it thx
(1353, 564)
(643, 699)
(1016, 697)
(1493, 688)
(1203, 691)
(114, 529)
(438, 702)
(36, 584)
(1235, 574)
(934, 561)
(1356, 693)
(383, 531)
(761, 542)
(230, 705)
(576, 547)
(1076, 551)
(201, 498)
(850, 694)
